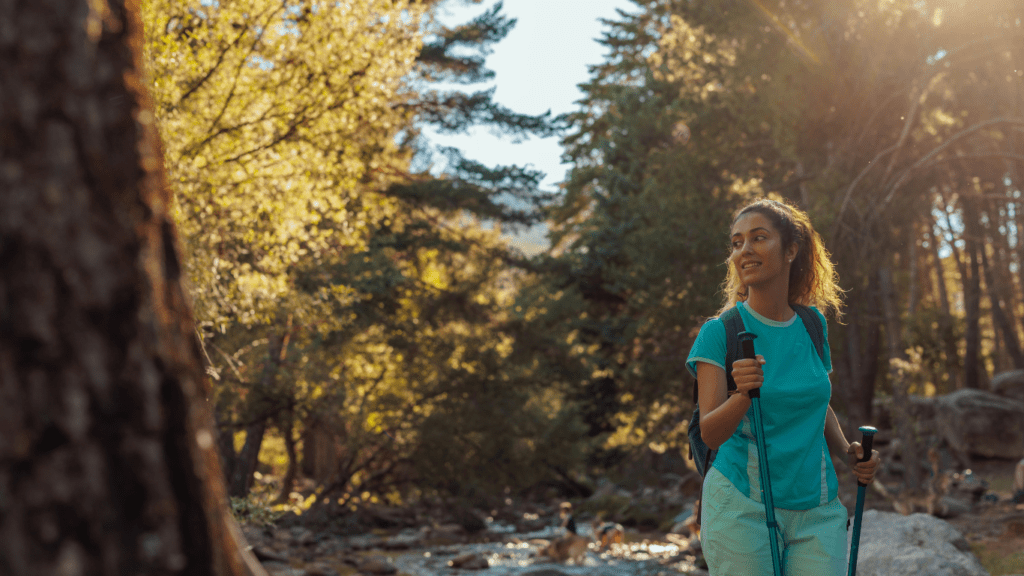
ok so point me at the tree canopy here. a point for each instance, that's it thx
(343, 281)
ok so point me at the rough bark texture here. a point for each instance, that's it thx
(107, 456)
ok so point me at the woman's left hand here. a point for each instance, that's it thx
(865, 471)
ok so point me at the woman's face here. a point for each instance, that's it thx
(757, 251)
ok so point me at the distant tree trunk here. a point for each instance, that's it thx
(945, 313)
(902, 420)
(248, 457)
(961, 262)
(1001, 285)
(999, 316)
(287, 425)
(862, 353)
(972, 300)
(226, 446)
(912, 289)
(108, 464)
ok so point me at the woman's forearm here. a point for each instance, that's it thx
(834, 437)
(721, 423)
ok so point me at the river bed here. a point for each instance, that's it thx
(517, 555)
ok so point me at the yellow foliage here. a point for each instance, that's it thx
(277, 120)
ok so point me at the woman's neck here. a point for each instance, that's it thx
(772, 302)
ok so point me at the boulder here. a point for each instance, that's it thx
(470, 561)
(1009, 384)
(302, 536)
(320, 570)
(895, 545)
(404, 540)
(377, 566)
(363, 542)
(469, 520)
(981, 423)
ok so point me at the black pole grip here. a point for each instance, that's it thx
(866, 441)
(747, 344)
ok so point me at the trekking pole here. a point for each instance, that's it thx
(747, 341)
(867, 439)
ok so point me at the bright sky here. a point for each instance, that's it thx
(537, 67)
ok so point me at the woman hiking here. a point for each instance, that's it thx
(777, 261)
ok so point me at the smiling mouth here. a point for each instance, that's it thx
(750, 265)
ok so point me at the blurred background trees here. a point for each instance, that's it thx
(360, 311)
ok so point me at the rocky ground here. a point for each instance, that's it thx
(995, 531)
(446, 538)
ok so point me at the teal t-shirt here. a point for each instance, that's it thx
(794, 402)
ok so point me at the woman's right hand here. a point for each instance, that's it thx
(747, 374)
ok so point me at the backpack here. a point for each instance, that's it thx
(699, 451)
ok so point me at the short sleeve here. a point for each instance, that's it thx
(824, 331)
(708, 347)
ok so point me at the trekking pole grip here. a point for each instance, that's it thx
(747, 344)
(866, 441)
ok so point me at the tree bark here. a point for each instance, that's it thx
(999, 316)
(912, 289)
(945, 313)
(972, 301)
(248, 457)
(287, 425)
(226, 445)
(902, 421)
(1001, 282)
(108, 463)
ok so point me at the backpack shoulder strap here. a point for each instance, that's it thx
(813, 325)
(733, 326)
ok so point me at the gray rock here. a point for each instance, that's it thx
(896, 545)
(469, 562)
(320, 570)
(377, 566)
(1009, 384)
(981, 423)
(363, 542)
(545, 572)
(951, 507)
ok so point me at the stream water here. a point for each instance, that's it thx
(635, 557)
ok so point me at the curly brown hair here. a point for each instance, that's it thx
(812, 278)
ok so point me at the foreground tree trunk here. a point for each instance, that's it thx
(108, 463)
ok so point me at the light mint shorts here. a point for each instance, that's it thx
(734, 534)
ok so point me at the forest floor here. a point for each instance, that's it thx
(994, 530)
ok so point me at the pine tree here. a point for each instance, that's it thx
(314, 246)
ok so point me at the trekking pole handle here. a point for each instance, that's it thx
(867, 439)
(747, 344)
